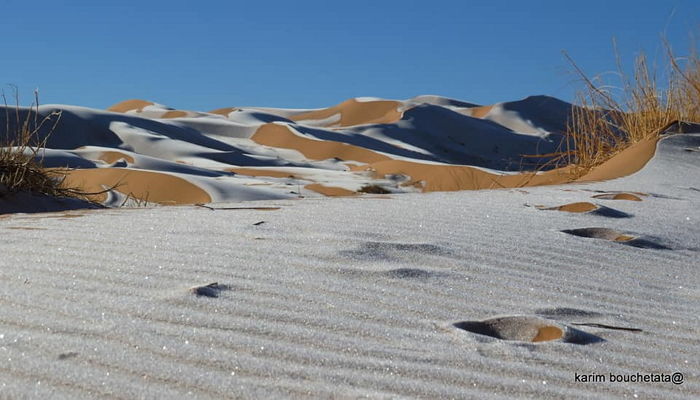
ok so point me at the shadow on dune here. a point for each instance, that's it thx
(548, 113)
(72, 130)
(450, 137)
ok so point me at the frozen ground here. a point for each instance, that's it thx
(359, 297)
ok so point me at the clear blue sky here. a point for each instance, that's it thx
(209, 54)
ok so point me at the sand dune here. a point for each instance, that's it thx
(629, 161)
(223, 111)
(505, 293)
(480, 112)
(142, 185)
(426, 143)
(329, 190)
(275, 135)
(470, 294)
(148, 109)
(435, 177)
(353, 112)
(130, 105)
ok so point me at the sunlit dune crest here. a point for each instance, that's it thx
(155, 153)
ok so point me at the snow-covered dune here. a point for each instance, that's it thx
(142, 148)
(510, 293)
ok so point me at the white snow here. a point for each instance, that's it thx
(356, 297)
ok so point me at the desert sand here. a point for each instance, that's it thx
(513, 289)
(423, 144)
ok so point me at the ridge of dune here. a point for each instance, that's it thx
(534, 115)
(626, 162)
(225, 111)
(353, 112)
(440, 178)
(148, 186)
(438, 101)
(481, 111)
(130, 105)
(277, 135)
(461, 177)
(174, 114)
(148, 109)
(426, 143)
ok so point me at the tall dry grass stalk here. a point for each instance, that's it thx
(20, 147)
(687, 71)
(610, 119)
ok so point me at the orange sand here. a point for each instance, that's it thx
(141, 185)
(623, 238)
(437, 177)
(480, 112)
(162, 188)
(174, 114)
(223, 111)
(262, 172)
(138, 105)
(618, 196)
(330, 190)
(462, 177)
(548, 333)
(580, 207)
(276, 135)
(353, 112)
(627, 162)
(129, 105)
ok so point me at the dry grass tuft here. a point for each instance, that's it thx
(610, 119)
(19, 151)
(687, 72)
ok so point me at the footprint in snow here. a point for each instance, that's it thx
(616, 236)
(620, 196)
(527, 329)
(588, 208)
(210, 290)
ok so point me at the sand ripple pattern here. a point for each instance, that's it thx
(352, 297)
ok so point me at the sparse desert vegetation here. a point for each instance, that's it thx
(612, 117)
(269, 199)
(606, 120)
(20, 149)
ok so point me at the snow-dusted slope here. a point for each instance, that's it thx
(247, 153)
(365, 296)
